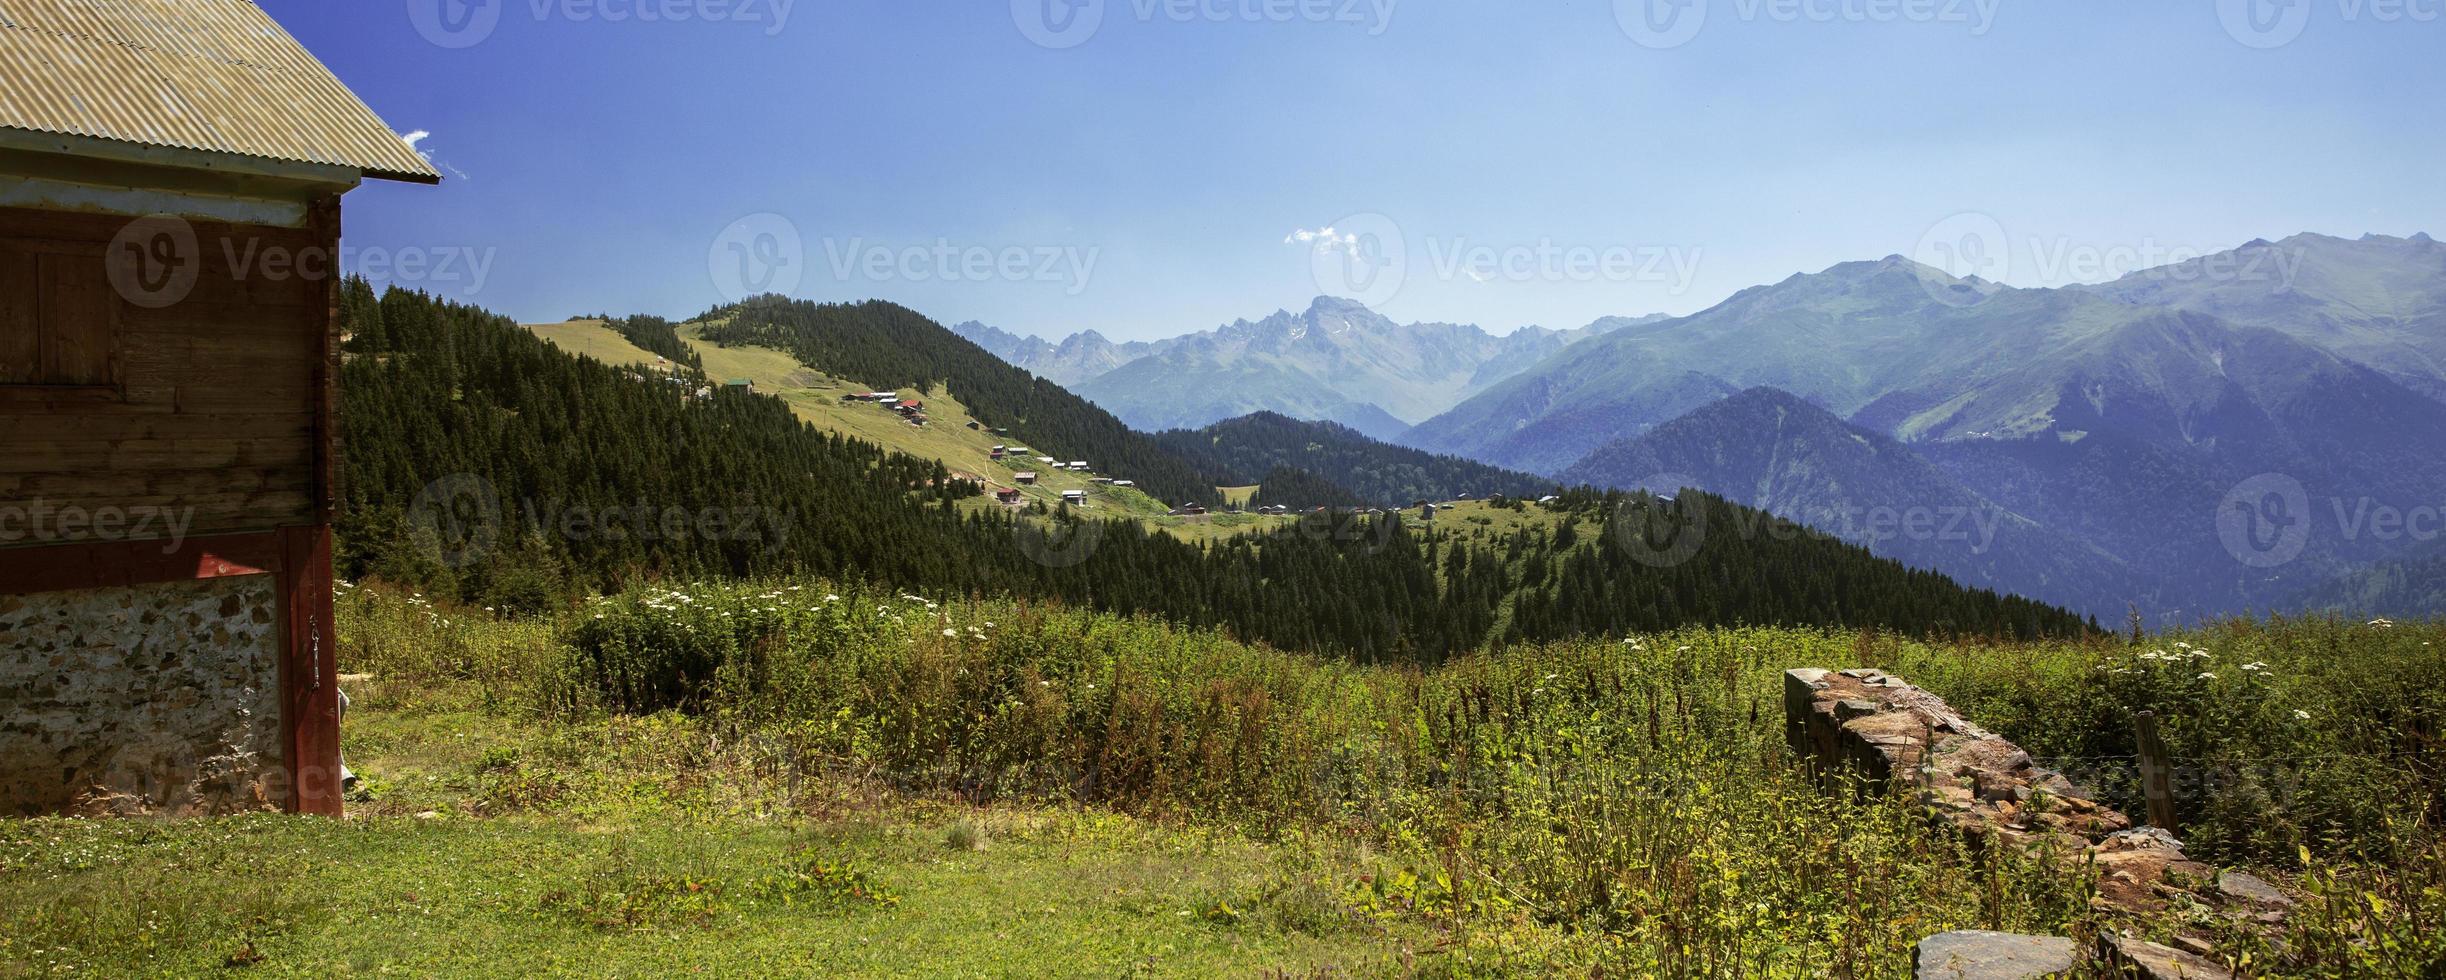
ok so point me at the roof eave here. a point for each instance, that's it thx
(213, 161)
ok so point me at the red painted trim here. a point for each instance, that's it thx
(106, 564)
(309, 697)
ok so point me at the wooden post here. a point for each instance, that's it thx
(2156, 771)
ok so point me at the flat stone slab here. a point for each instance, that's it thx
(2252, 889)
(2150, 961)
(1974, 954)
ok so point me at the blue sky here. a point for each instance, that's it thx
(1534, 162)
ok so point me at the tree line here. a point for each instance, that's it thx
(485, 465)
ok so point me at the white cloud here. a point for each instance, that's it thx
(1325, 240)
(413, 137)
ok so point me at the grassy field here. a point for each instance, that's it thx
(775, 778)
(590, 338)
(489, 840)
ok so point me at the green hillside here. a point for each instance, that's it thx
(893, 347)
(816, 398)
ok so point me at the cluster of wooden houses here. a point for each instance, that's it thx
(912, 409)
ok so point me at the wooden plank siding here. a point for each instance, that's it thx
(219, 407)
(215, 399)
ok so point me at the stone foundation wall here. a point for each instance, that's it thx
(150, 699)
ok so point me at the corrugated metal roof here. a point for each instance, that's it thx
(213, 75)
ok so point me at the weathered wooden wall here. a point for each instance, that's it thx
(214, 406)
(218, 410)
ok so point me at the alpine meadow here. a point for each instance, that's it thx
(1661, 488)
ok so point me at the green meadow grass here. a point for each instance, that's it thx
(796, 778)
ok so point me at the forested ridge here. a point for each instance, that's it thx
(891, 346)
(1367, 469)
(1298, 489)
(469, 443)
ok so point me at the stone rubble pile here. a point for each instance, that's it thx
(1881, 731)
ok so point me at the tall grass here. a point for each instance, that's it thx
(1624, 804)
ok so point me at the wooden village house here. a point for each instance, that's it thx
(170, 183)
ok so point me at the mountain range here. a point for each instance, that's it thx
(2104, 433)
(1079, 358)
(1337, 361)
(2119, 421)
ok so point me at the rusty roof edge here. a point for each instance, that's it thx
(427, 174)
(167, 155)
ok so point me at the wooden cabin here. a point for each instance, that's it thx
(170, 183)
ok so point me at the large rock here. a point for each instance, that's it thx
(2252, 890)
(1978, 955)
